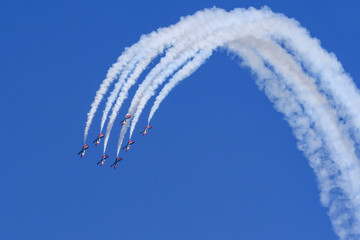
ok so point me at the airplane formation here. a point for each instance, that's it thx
(127, 146)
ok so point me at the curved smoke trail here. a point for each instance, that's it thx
(303, 81)
(154, 44)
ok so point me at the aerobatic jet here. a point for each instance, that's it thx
(97, 140)
(145, 130)
(127, 117)
(127, 146)
(102, 161)
(115, 164)
(82, 152)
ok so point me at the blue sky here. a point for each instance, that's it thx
(207, 170)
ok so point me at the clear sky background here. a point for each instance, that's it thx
(220, 162)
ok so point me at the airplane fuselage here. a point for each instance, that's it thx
(82, 152)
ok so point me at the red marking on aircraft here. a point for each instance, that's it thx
(127, 146)
(115, 164)
(97, 140)
(102, 161)
(145, 130)
(82, 151)
(127, 117)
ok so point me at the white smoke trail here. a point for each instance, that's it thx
(196, 59)
(186, 71)
(348, 188)
(124, 94)
(212, 37)
(343, 92)
(113, 95)
(170, 69)
(305, 83)
(234, 27)
(303, 36)
(121, 138)
(350, 152)
(166, 37)
(332, 132)
(135, 68)
(309, 136)
(113, 72)
(161, 37)
(186, 49)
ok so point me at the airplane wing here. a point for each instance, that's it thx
(142, 131)
(124, 147)
(80, 152)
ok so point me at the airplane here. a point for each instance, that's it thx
(115, 164)
(102, 161)
(127, 146)
(82, 152)
(127, 117)
(145, 130)
(97, 140)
